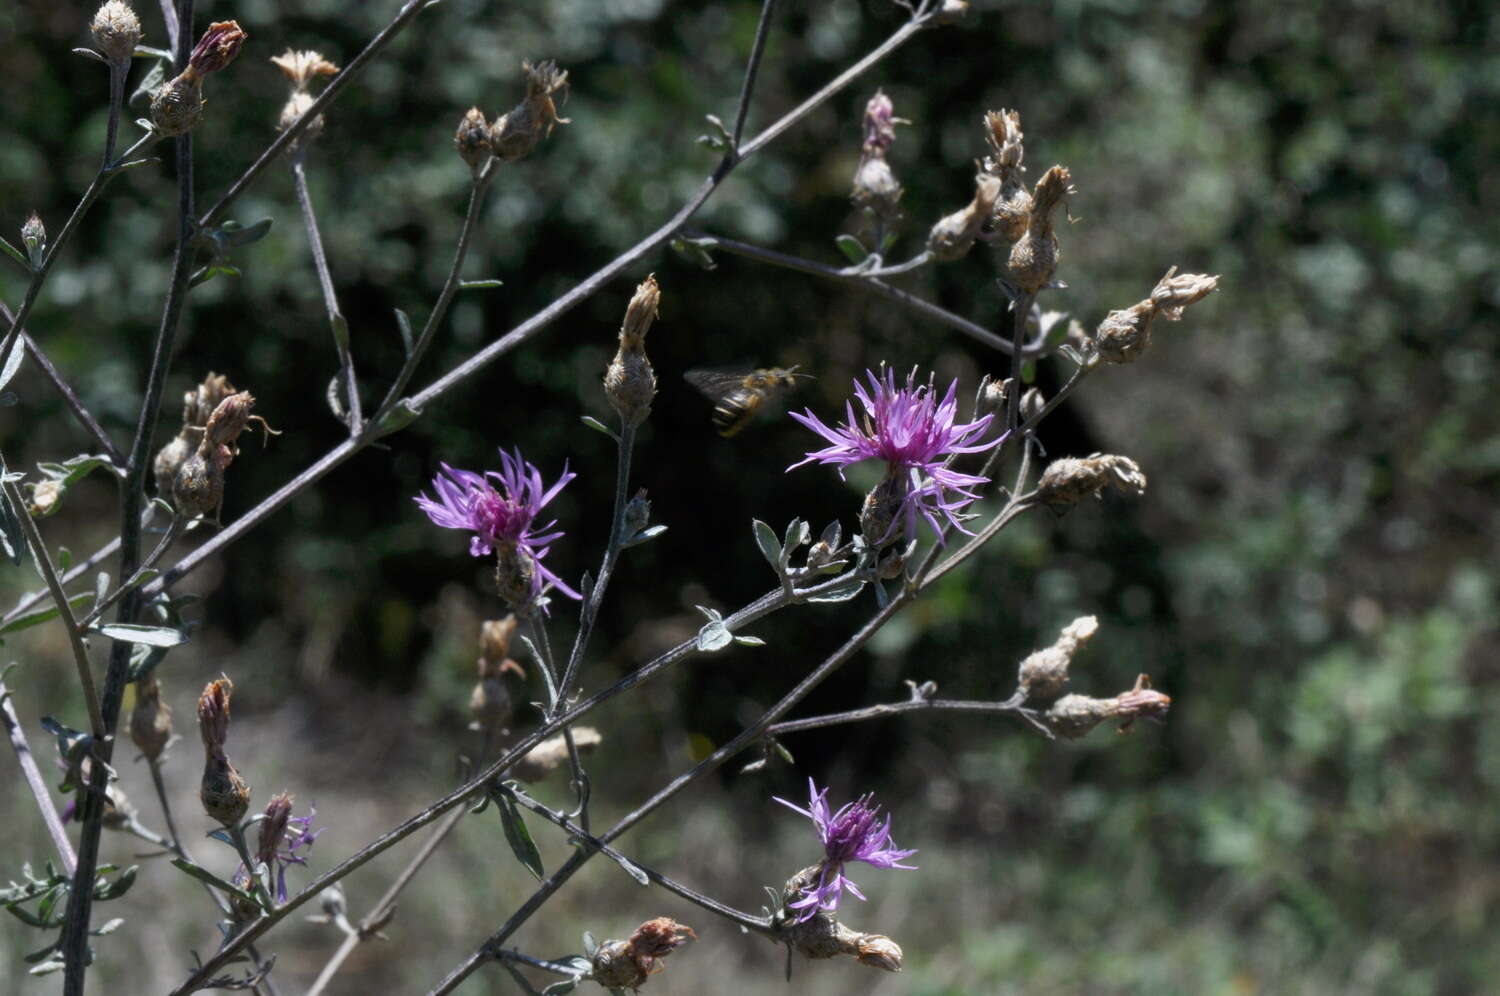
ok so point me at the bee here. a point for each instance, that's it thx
(738, 394)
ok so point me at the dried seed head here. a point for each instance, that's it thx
(1073, 716)
(1002, 131)
(1069, 480)
(1126, 333)
(517, 133)
(472, 140)
(216, 48)
(630, 383)
(34, 236)
(116, 31)
(301, 68)
(952, 237)
(628, 964)
(1044, 673)
(1035, 254)
(150, 720)
(298, 104)
(552, 753)
(224, 794)
(198, 404)
(994, 399)
(168, 461)
(614, 966)
(198, 486)
(495, 636)
(177, 106)
(877, 950)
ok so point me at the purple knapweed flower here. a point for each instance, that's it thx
(914, 433)
(282, 836)
(501, 519)
(854, 833)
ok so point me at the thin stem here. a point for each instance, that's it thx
(752, 69)
(117, 71)
(70, 398)
(72, 574)
(509, 954)
(64, 610)
(160, 784)
(450, 287)
(746, 920)
(893, 709)
(479, 783)
(336, 318)
(865, 281)
(555, 702)
(169, 14)
(173, 531)
(34, 781)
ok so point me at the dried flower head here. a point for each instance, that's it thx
(117, 31)
(495, 636)
(1044, 673)
(854, 833)
(1073, 716)
(177, 105)
(198, 487)
(517, 133)
(224, 794)
(503, 521)
(552, 753)
(821, 936)
(1069, 480)
(1125, 334)
(630, 383)
(282, 836)
(197, 407)
(875, 185)
(1035, 254)
(879, 124)
(914, 433)
(34, 237)
(301, 68)
(150, 719)
(472, 139)
(952, 237)
(298, 104)
(1002, 130)
(628, 964)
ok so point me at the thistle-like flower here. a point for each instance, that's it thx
(282, 835)
(914, 433)
(503, 522)
(1126, 333)
(854, 833)
(630, 383)
(177, 105)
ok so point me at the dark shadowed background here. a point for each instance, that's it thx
(1310, 575)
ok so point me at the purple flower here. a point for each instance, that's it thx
(503, 518)
(914, 433)
(282, 835)
(854, 833)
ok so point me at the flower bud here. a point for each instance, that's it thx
(34, 236)
(877, 519)
(630, 383)
(879, 124)
(628, 964)
(952, 237)
(1044, 674)
(515, 573)
(1035, 254)
(1069, 480)
(273, 827)
(877, 950)
(301, 68)
(213, 713)
(552, 753)
(116, 31)
(1073, 716)
(994, 398)
(150, 720)
(821, 936)
(224, 794)
(177, 105)
(1032, 403)
(875, 185)
(472, 140)
(216, 48)
(516, 134)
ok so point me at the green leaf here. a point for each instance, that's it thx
(694, 252)
(770, 546)
(517, 836)
(64, 558)
(561, 988)
(630, 868)
(151, 636)
(479, 284)
(233, 235)
(204, 875)
(750, 641)
(207, 273)
(852, 248)
(594, 423)
(12, 534)
(404, 324)
(104, 891)
(17, 255)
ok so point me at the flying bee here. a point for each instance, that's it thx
(738, 394)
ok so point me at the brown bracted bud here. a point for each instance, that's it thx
(517, 133)
(216, 48)
(552, 753)
(1073, 716)
(515, 576)
(628, 964)
(213, 713)
(877, 518)
(1002, 131)
(994, 398)
(169, 460)
(821, 936)
(875, 185)
(1126, 333)
(116, 31)
(34, 237)
(177, 105)
(1035, 255)
(1032, 404)
(630, 383)
(273, 828)
(198, 487)
(1044, 673)
(952, 237)
(1069, 480)
(472, 139)
(879, 951)
(224, 794)
(150, 720)
(301, 68)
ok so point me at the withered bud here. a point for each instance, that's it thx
(1073, 716)
(489, 702)
(637, 513)
(994, 398)
(225, 796)
(628, 964)
(216, 48)
(1044, 673)
(1069, 480)
(880, 125)
(1035, 254)
(198, 485)
(177, 105)
(822, 936)
(45, 497)
(1126, 333)
(273, 828)
(495, 636)
(630, 383)
(1002, 131)
(150, 719)
(301, 68)
(549, 755)
(515, 576)
(1032, 403)
(116, 31)
(34, 237)
(169, 460)
(298, 104)
(517, 133)
(875, 186)
(472, 139)
(952, 237)
(213, 713)
(198, 404)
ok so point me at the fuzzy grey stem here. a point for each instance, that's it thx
(34, 781)
(1008, 707)
(330, 296)
(69, 396)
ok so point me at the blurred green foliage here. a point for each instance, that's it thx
(1310, 576)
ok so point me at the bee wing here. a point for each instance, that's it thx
(715, 384)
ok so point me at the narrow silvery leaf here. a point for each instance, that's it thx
(630, 868)
(12, 361)
(839, 592)
(518, 837)
(151, 636)
(750, 641)
(594, 423)
(714, 636)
